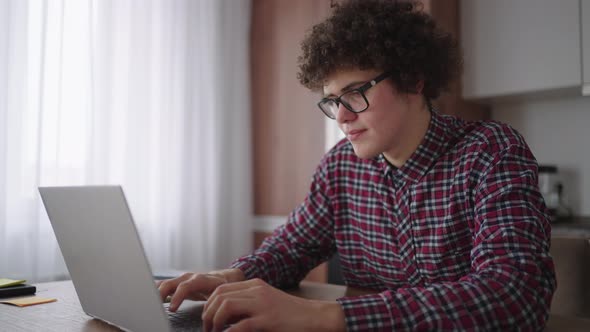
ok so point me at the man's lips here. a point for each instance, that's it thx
(355, 134)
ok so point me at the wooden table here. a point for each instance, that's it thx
(66, 314)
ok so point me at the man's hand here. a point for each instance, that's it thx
(254, 305)
(196, 286)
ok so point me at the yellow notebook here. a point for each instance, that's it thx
(4, 282)
(27, 301)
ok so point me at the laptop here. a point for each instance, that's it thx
(107, 263)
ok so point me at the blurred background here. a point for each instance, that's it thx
(195, 109)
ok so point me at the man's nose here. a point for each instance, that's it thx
(343, 114)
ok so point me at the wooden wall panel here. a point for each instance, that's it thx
(288, 129)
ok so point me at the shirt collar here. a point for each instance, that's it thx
(432, 146)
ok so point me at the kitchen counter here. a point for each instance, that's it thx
(574, 227)
(570, 250)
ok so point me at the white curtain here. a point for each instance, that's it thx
(151, 95)
(333, 133)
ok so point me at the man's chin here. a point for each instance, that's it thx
(364, 153)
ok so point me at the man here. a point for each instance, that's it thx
(442, 217)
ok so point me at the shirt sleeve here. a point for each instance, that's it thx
(306, 240)
(512, 277)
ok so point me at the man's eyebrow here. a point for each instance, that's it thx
(348, 87)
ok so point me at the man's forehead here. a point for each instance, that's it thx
(341, 81)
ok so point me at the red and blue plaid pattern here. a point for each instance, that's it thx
(456, 239)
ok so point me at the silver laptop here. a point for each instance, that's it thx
(106, 260)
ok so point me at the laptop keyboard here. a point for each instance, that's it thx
(184, 320)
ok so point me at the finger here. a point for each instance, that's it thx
(168, 287)
(245, 325)
(235, 287)
(196, 288)
(214, 304)
(231, 311)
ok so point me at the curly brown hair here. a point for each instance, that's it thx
(392, 36)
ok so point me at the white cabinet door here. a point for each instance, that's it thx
(586, 47)
(520, 46)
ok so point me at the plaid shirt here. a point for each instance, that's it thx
(455, 239)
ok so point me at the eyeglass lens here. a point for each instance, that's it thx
(353, 100)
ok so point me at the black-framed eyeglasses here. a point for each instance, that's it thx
(354, 100)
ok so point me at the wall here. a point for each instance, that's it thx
(288, 128)
(288, 135)
(557, 131)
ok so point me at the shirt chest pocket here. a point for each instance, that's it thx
(443, 252)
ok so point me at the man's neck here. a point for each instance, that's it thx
(417, 129)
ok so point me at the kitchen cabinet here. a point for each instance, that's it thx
(585, 5)
(525, 47)
(570, 250)
(446, 15)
